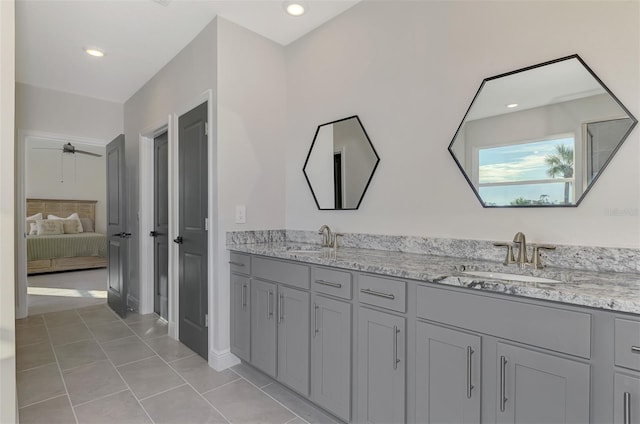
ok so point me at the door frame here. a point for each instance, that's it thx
(22, 310)
(146, 213)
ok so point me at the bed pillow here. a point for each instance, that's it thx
(70, 226)
(33, 218)
(33, 229)
(49, 227)
(87, 225)
(72, 216)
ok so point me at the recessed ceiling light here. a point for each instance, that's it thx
(94, 52)
(512, 105)
(294, 9)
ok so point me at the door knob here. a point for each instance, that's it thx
(153, 234)
(124, 235)
(178, 240)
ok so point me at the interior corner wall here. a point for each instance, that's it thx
(410, 70)
(251, 145)
(190, 73)
(8, 404)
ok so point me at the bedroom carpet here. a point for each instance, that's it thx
(89, 366)
(66, 290)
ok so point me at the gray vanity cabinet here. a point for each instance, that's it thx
(381, 367)
(293, 338)
(447, 375)
(626, 399)
(541, 388)
(263, 326)
(240, 317)
(331, 355)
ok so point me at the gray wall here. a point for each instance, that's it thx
(410, 72)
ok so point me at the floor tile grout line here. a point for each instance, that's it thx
(180, 359)
(121, 378)
(222, 385)
(100, 398)
(162, 392)
(75, 341)
(64, 383)
(41, 401)
(137, 360)
(36, 367)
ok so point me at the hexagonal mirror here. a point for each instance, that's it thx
(540, 136)
(340, 164)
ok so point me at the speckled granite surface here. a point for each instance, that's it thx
(613, 291)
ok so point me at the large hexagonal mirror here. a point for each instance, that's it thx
(540, 136)
(340, 164)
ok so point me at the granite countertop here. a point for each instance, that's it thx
(612, 291)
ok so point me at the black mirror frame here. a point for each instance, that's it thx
(373, 171)
(604, 166)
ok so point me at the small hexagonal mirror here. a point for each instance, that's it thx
(540, 136)
(340, 164)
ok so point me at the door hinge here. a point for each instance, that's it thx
(206, 128)
(206, 224)
(206, 320)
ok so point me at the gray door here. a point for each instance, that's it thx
(331, 356)
(626, 399)
(293, 339)
(240, 317)
(118, 275)
(192, 232)
(538, 388)
(160, 231)
(381, 367)
(263, 326)
(447, 375)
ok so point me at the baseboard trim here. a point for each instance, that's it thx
(220, 361)
(133, 303)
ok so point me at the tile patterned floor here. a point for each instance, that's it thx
(89, 366)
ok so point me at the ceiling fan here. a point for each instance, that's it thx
(70, 148)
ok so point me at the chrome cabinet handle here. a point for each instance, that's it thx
(626, 408)
(315, 319)
(280, 308)
(503, 378)
(244, 296)
(469, 385)
(396, 330)
(270, 306)
(329, 283)
(635, 349)
(236, 263)
(377, 293)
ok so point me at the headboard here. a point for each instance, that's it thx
(62, 208)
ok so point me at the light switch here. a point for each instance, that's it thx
(241, 214)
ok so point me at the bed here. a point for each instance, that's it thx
(65, 252)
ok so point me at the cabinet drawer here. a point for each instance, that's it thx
(383, 292)
(240, 263)
(335, 283)
(627, 339)
(550, 328)
(293, 274)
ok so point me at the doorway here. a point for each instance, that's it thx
(160, 232)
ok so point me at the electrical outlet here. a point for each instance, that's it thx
(241, 214)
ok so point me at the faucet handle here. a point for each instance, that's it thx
(536, 261)
(335, 240)
(509, 259)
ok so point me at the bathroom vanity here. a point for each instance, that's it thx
(387, 337)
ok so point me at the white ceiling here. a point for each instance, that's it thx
(138, 36)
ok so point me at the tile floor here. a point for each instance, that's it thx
(60, 291)
(89, 366)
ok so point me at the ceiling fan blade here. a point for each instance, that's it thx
(84, 152)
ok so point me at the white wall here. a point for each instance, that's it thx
(410, 73)
(51, 174)
(8, 410)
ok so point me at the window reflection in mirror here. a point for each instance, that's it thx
(340, 164)
(540, 136)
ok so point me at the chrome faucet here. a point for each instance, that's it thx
(327, 236)
(522, 250)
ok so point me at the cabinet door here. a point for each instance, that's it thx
(293, 339)
(240, 317)
(538, 388)
(381, 367)
(447, 375)
(626, 408)
(263, 326)
(331, 356)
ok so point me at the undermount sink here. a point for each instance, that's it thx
(511, 277)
